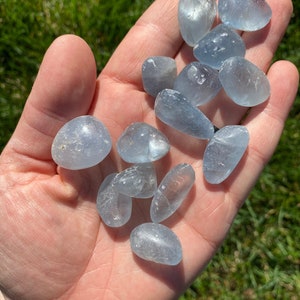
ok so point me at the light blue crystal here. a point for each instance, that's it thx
(196, 18)
(158, 73)
(156, 243)
(218, 45)
(171, 192)
(142, 143)
(172, 108)
(198, 83)
(81, 143)
(114, 208)
(223, 152)
(246, 15)
(244, 82)
(137, 181)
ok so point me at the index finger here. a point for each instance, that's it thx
(155, 33)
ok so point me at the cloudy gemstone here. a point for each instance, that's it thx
(137, 181)
(171, 192)
(81, 143)
(156, 243)
(244, 82)
(172, 108)
(223, 152)
(158, 73)
(114, 208)
(142, 143)
(196, 18)
(198, 83)
(246, 15)
(218, 45)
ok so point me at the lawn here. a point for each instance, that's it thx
(260, 259)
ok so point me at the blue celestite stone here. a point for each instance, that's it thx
(196, 18)
(137, 181)
(114, 208)
(171, 192)
(218, 45)
(156, 243)
(158, 73)
(246, 15)
(223, 152)
(81, 143)
(244, 82)
(172, 108)
(142, 143)
(198, 83)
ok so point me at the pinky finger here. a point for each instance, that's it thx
(266, 122)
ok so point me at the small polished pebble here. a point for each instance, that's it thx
(142, 143)
(218, 45)
(196, 18)
(246, 15)
(244, 82)
(172, 108)
(171, 192)
(137, 181)
(223, 152)
(158, 73)
(198, 83)
(114, 208)
(156, 243)
(81, 143)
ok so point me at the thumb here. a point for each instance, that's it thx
(63, 89)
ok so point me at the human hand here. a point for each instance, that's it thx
(53, 244)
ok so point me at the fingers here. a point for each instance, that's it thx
(63, 89)
(155, 33)
(261, 45)
(265, 124)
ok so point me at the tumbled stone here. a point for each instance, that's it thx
(171, 192)
(246, 15)
(114, 208)
(142, 143)
(172, 108)
(137, 181)
(198, 83)
(218, 45)
(158, 73)
(156, 243)
(196, 18)
(81, 143)
(244, 82)
(223, 152)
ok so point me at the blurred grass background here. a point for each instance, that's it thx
(260, 259)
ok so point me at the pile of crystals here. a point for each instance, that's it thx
(83, 142)
(219, 64)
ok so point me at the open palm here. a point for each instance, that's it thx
(53, 244)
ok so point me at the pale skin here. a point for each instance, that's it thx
(53, 243)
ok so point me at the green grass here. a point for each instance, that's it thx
(260, 259)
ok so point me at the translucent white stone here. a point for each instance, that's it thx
(158, 73)
(172, 108)
(246, 15)
(81, 143)
(223, 152)
(171, 192)
(142, 143)
(156, 243)
(244, 82)
(198, 83)
(196, 18)
(137, 181)
(114, 208)
(218, 45)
